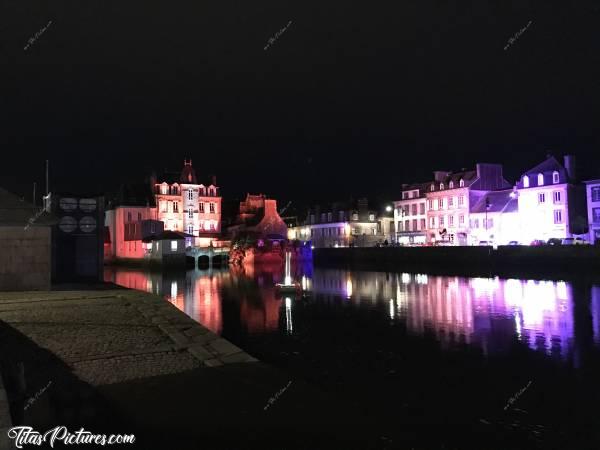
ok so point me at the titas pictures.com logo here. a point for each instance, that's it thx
(24, 435)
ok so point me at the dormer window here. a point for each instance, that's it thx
(555, 177)
(451, 185)
(164, 188)
(461, 183)
(432, 188)
(525, 181)
(441, 186)
(540, 179)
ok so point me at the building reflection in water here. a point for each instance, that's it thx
(483, 311)
(487, 312)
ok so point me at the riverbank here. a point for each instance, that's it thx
(468, 261)
(122, 361)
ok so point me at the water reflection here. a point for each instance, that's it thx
(489, 313)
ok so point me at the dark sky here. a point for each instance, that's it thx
(352, 98)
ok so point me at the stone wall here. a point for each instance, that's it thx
(25, 262)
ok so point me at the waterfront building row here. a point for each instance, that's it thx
(478, 206)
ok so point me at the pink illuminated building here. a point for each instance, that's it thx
(176, 202)
(183, 204)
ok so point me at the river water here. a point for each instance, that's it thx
(517, 359)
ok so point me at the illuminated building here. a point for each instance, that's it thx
(410, 216)
(185, 205)
(593, 209)
(551, 205)
(495, 218)
(341, 224)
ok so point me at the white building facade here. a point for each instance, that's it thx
(592, 188)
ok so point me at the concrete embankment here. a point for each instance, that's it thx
(123, 361)
(517, 260)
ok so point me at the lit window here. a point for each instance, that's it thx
(558, 216)
(173, 246)
(164, 188)
(556, 196)
(451, 185)
(461, 183)
(541, 197)
(212, 208)
(525, 181)
(371, 217)
(441, 186)
(432, 188)
(540, 179)
(555, 177)
(354, 216)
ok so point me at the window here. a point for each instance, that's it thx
(541, 197)
(212, 226)
(190, 213)
(461, 220)
(450, 221)
(190, 229)
(540, 179)
(173, 246)
(354, 216)
(555, 177)
(329, 217)
(595, 215)
(525, 181)
(451, 185)
(129, 217)
(461, 183)
(341, 216)
(422, 208)
(475, 223)
(596, 194)
(312, 218)
(436, 204)
(441, 186)
(212, 208)
(371, 217)
(414, 209)
(404, 195)
(400, 226)
(461, 200)
(432, 188)
(190, 195)
(558, 216)
(450, 202)
(139, 217)
(556, 196)
(432, 222)
(175, 206)
(430, 204)
(212, 192)
(441, 221)
(201, 207)
(441, 205)
(407, 225)
(424, 223)
(414, 224)
(164, 188)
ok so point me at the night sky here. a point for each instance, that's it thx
(353, 98)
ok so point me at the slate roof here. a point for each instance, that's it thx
(16, 212)
(499, 201)
(549, 165)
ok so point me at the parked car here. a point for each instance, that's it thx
(537, 243)
(555, 241)
(514, 243)
(484, 243)
(574, 241)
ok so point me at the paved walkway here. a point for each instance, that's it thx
(123, 361)
(114, 336)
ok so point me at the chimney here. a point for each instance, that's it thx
(440, 175)
(214, 180)
(571, 167)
